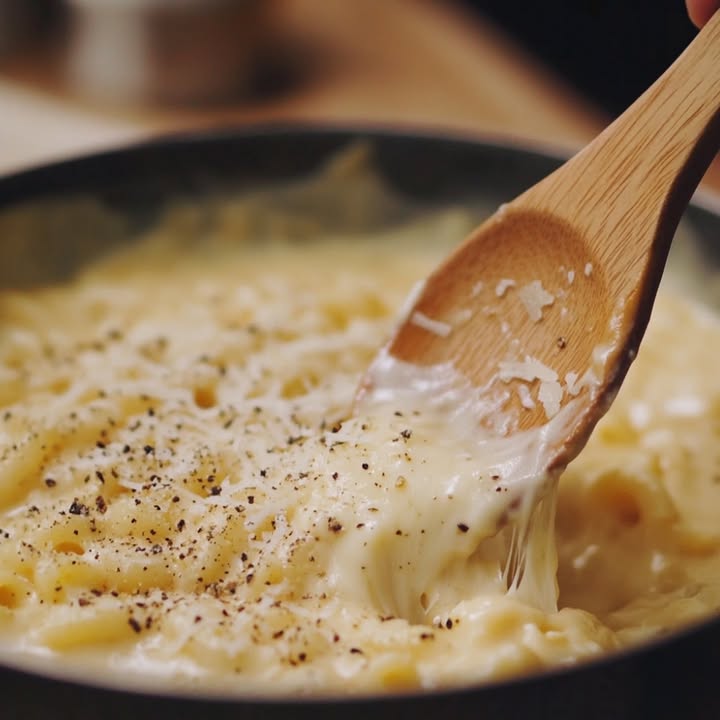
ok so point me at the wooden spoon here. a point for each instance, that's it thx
(566, 274)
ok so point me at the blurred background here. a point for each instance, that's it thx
(76, 75)
(609, 50)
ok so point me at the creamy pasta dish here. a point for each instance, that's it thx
(185, 500)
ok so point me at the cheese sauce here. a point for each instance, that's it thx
(184, 501)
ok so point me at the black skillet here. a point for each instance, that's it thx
(677, 677)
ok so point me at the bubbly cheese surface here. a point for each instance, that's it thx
(184, 501)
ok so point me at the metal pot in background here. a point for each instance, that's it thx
(164, 51)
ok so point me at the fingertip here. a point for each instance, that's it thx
(700, 11)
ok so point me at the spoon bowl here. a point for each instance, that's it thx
(536, 273)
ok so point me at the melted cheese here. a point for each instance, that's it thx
(184, 501)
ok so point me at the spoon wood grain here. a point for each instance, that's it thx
(595, 235)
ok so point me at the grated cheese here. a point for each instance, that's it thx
(534, 297)
(528, 370)
(525, 397)
(436, 327)
(503, 286)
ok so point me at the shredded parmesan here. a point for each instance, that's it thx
(528, 370)
(503, 286)
(437, 327)
(525, 397)
(550, 392)
(534, 297)
(570, 383)
(575, 384)
(550, 396)
(477, 288)
(460, 317)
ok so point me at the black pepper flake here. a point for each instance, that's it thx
(83, 602)
(462, 527)
(100, 445)
(148, 449)
(561, 342)
(449, 624)
(215, 490)
(251, 499)
(406, 434)
(334, 525)
(50, 482)
(77, 508)
(100, 476)
(365, 466)
(181, 525)
(356, 651)
(100, 504)
(126, 449)
(134, 624)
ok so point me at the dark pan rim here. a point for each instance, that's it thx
(43, 179)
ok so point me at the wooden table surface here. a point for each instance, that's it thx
(414, 62)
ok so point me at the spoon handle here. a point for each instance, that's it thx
(625, 192)
(643, 169)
